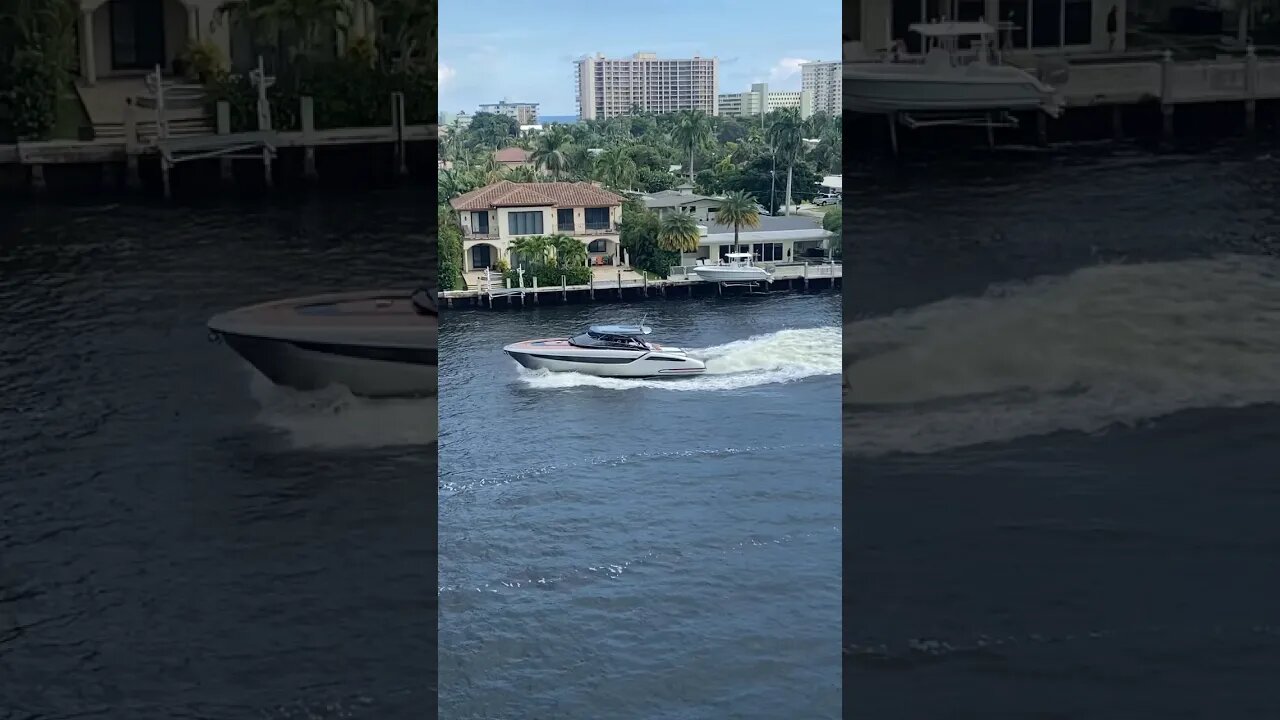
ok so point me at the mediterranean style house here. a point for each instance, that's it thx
(492, 217)
(117, 38)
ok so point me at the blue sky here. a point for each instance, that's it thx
(524, 51)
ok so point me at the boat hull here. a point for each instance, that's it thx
(877, 89)
(398, 372)
(726, 274)
(373, 344)
(559, 356)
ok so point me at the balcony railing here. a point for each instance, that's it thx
(489, 234)
(601, 227)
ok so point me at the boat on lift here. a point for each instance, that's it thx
(736, 268)
(606, 351)
(948, 78)
(376, 344)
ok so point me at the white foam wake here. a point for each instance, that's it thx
(778, 357)
(1107, 345)
(333, 418)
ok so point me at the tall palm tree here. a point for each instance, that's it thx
(787, 137)
(678, 233)
(692, 130)
(551, 152)
(407, 31)
(739, 210)
(616, 168)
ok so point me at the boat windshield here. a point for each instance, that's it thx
(607, 341)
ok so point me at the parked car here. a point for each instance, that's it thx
(761, 210)
(828, 199)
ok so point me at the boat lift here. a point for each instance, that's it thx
(915, 120)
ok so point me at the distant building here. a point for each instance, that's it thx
(612, 87)
(524, 113)
(775, 239)
(824, 81)
(494, 216)
(512, 157)
(750, 103)
(683, 200)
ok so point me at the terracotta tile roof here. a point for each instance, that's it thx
(555, 194)
(511, 155)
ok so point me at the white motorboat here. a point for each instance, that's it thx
(736, 267)
(376, 344)
(949, 79)
(606, 351)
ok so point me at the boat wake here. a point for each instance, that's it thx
(778, 357)
(1104, 346)
(333, 418)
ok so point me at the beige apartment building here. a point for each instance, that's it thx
(609, 87)
(524, 113)
(823, 80)
(760, 98)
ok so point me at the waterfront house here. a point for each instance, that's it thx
(492, 217)
(683, 199)
(126, 38)
(777, 239)
(1037, 27)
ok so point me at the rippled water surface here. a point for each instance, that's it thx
(1062, 427)
(643, 549)
(179, 537)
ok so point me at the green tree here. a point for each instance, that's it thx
(36, 57)
(492, 130)
(639, 236)
(678, 232)
(295, 29)
(692, 130)
(450, 244)
(569, 251)
(407, 32)
(832, 222)
(787, 138)
(616, 168)
(533, 249)
(551, 151)
(739, 210)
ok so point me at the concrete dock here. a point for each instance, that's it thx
(787, 277)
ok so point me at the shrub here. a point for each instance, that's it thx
(32, 100)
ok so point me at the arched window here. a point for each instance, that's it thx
(598, 246)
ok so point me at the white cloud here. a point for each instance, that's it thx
(785, 69)
(444, 74)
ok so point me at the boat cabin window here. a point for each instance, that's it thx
(599, 340)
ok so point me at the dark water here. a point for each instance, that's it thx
(179, 538)
(643, 549)
(1062, 437)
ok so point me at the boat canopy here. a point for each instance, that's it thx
(742, 256)
(622, 330)
(951, 29)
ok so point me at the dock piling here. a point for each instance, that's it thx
(1251, 90)
(132, 178)
(308, 116)
(619, 283)
(564, 288)
(1166, 96)
(1117, 122)
(591, 286)
(225, 168)
(535, 289)
(397, 121)
(38, 183)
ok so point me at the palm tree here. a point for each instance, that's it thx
(292, 27)
(787, 138)
(692, 130)
(616, 168)
(569, 251)
(534, 248)
(551, 152)
(678, 233)
(407, 30)
(522, 174)
(739, 210)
